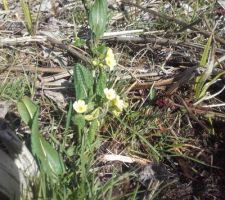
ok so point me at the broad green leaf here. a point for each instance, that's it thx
(205, 54)
(27, 15)
(98, 17)
(91, 105)
(92, 131)
(101, 83)
(79, 121)
(152, 94)
(26, 109)
(50, 160)
(83, 82)
(200, 80)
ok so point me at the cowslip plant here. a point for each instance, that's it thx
(103, 58)
(93, 97)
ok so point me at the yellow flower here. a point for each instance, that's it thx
(118, 103)
(80, 106)
(95, 62)
(110, 59)
(110, 93)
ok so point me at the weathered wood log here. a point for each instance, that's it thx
(17, 166)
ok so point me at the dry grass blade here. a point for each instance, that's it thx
(26, 40)
(27, 15)
(192, 114)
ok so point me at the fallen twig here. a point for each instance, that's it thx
(147, 85)
(160, 41)
(44, 37)
(22, 40)
(69, 48)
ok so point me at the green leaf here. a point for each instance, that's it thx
(79, 121)
(101, 83)
(99, 50)
(152, 94)
(200, 80)
(70, 151)
(26, 109)
(92, 131)
(79, 42)
(83, 82)
(154, 151)
(206, 52)
(207, 85)
(98, 17)
(69, 116)
(50, 161)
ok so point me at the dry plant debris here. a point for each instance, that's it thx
(168, 144)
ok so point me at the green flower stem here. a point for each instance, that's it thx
(85, 3)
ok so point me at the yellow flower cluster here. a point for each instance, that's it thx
(117, 103)
(96, 62)
(109, 60)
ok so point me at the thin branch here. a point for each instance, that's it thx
(22, 40)
(69, 48)
(159, 41)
